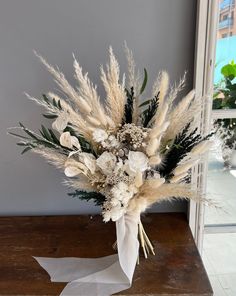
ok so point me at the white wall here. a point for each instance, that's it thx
(161, 33)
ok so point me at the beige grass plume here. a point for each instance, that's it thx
(115, 91)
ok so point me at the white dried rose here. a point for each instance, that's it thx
(69, 141)
(137, 161)
(89, 160)
(99, 135)
(106, 162)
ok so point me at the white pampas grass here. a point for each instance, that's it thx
(52, 156)
(152, 146)
(202, 147)
(183, 168)
(178, 178)
(74, 168)
(155, 160)
(88, 92)
(133, 76)
(176, 89)
(62, 82)
(133, 81)
(80, 182)
(177, 123)
(115, 91)
(152, 183)
(161, 86)
(169, 191)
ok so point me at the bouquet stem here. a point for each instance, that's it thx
(144, 241)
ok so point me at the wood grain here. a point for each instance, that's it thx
(176, 269)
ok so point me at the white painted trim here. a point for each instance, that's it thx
(207, 17)
(223, 113)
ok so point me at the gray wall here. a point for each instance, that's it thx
(161, 32)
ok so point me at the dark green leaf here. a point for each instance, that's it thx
(145, 103)
(17, 135)
(28, 131)
(46, 134)
(26, 149)
(54, 102)
(45, 98)
(144, 82)
(84, 195)
(50, 116)
(59, 104)
(21, 144)
(53, 136)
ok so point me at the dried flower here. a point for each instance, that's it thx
(106, 162)
(137, 161)
(99, 135)
(69, 141)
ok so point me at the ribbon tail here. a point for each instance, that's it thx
(101, 276)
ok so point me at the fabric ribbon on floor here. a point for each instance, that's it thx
(100, 276)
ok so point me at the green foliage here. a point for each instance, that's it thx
(54, 103)
(182, 144)
(225, 92)
(144, 82)
(97, 197)
(229, 70)
(47, 138)
(128, 116)
(150, 112)
(225, 98)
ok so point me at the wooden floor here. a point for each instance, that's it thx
(176, 269)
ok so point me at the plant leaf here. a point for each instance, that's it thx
(50, 116)
(145, 103)
(144, 82)
(26, 149)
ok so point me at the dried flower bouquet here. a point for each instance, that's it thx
(127, 152)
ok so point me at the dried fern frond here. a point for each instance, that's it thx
(115, 91)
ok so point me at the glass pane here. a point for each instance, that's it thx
(221, 181)
(225, 68)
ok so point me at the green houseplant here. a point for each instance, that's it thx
(225, 98)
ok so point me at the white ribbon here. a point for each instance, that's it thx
(101, 276)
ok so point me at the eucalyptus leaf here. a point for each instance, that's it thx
(26, 149)
(50, 116)
(145, 103)
(144, 81)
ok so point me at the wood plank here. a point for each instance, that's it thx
(176, 269)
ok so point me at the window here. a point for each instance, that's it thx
(225, 17)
